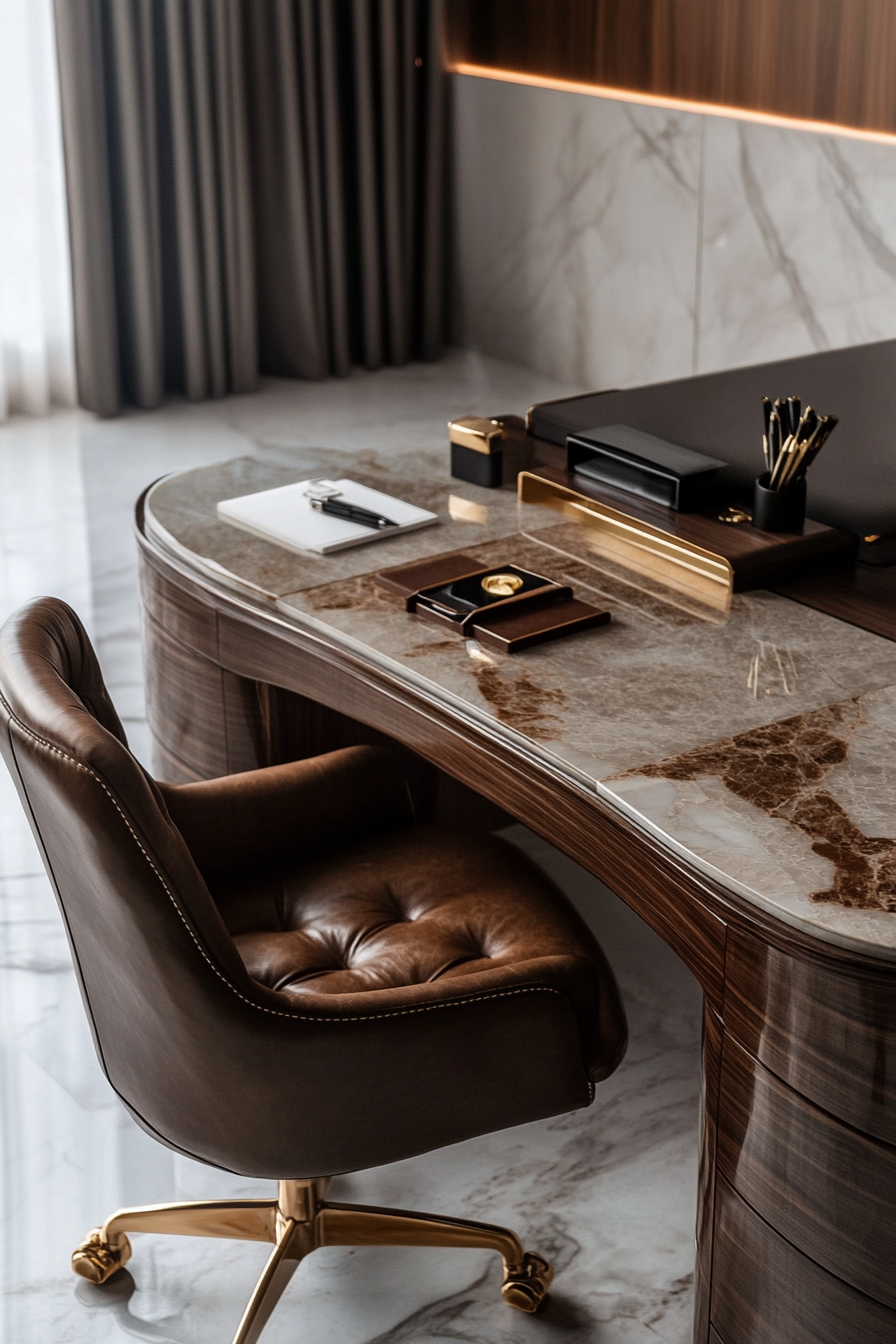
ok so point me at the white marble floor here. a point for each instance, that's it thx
(608, 1193)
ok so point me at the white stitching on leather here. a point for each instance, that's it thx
(275, 1012)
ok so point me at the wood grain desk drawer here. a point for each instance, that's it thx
(827, 1188)
(766, 1292)
(828, 1031)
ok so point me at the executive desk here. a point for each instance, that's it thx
(727, 774)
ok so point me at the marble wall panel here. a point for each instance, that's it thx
(577, 232)
(799, 243)
(613, 245)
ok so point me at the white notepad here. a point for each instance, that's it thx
(285, 515)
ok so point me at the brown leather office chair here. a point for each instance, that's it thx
(287, 978)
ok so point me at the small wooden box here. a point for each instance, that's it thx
(545, 611)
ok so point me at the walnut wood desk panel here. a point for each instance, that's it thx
(729, 778)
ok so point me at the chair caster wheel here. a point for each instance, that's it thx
(526, 1285)
(97, 1260)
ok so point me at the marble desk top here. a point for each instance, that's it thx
(759, 744)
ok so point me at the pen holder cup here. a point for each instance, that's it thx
(779, 510)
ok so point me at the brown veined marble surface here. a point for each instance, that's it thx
(757, 743)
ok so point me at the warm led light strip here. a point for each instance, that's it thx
(676, 104)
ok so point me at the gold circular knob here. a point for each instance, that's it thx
(502, 585)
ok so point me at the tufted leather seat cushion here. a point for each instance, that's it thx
(410, 908)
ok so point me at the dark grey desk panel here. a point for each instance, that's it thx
(853, 482)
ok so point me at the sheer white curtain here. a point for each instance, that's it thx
(36, 343)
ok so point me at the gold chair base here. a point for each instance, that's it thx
(297, 1223)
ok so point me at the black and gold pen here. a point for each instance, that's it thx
(767, 413)
(774, 438)
(351, 513)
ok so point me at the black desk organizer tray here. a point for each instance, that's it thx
(644, 465)
(448, 592)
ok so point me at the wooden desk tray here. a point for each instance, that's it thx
(546, 611)
(692, 552)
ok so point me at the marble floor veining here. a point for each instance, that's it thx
(609, 1193)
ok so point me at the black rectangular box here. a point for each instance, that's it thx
(643, 465)
(479, 468)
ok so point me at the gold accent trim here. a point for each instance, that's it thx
(298, 1222)
(640, 546)
(502, 585)
(734, 514)
(472, 431)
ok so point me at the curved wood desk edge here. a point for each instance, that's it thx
(232, 685)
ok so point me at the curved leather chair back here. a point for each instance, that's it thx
(150, 949)
(206, 1059)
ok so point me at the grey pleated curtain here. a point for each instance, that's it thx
(254, 185)
(347, 130)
